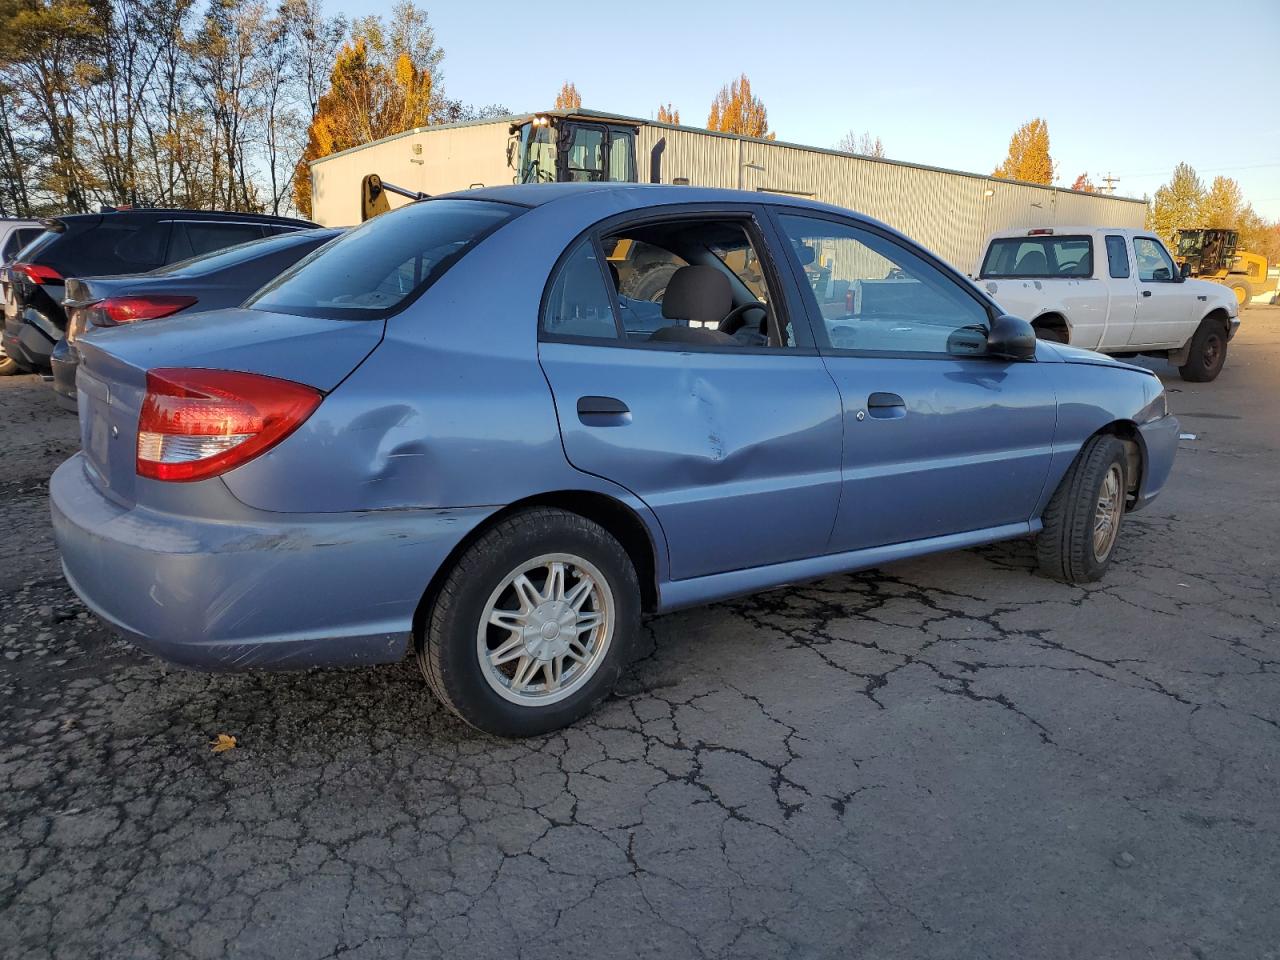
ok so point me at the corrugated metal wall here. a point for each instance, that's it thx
(950, 213)
(450, 158)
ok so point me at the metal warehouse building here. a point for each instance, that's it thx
(949, 211)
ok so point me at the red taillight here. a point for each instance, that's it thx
(37, 272)
(1040, 232)
(116, 310)
(197, 424)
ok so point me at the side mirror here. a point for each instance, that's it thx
(1184, 271)
(1011, 338)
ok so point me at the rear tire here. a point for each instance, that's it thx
(1082, 521)
(1208, 353)
(516, 649)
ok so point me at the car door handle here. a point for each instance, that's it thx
(603, 412)
(1146, 293)
(886, 406)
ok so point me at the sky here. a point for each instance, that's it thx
(1129, 89)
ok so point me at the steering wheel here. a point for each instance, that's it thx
(734, 321)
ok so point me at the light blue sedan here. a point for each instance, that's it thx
(498, 427)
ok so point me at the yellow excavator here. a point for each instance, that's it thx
(1212, 255)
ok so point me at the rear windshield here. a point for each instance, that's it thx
(381, 267)
(1042, 257)
(243, 253)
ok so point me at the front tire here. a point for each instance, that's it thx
(1208, 353)
(1082, 521)
(533, 625)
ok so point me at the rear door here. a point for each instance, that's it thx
(1164, 312)
(734, 446)
(939, 438)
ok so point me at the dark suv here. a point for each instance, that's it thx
(112, 242)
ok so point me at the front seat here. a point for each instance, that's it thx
(1033, 263)
(696, 294)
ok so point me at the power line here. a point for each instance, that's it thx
(1250, 166)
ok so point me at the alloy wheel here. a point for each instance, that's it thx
(1106, 516)
(545, 629)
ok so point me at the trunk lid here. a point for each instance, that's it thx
(114, 361)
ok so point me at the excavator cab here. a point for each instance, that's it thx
(1208, 253)
(572, 148)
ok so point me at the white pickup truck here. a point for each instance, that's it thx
(1111, 290)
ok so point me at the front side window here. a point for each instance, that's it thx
(1117, 257)
(877, 297)
(380, 267)
(1041, 257)
(537, 154)
(1154, 263)
(578, 304)
(698, 282)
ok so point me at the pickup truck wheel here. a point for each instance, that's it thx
(1082, 521)
(533, 624)
(1208, 353)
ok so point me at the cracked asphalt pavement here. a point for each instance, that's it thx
(950, 757)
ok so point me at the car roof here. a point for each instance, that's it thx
(538, 194)
(1066, 230)
(170, 213)
(627, 197)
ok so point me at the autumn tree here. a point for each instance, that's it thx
(1083, 184)
(668, 115)
(1028, 157)
(736, 110)
(1222, 205)
(568, 98)
(384, 81)
(1177, 203)
(861, 143)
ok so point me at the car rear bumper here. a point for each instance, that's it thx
(275, 591)
(1159, 446)
(1233, 327)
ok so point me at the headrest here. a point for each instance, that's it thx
(697, 294)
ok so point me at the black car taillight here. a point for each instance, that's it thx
(37, 273)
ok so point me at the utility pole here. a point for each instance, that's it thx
(1111, 182)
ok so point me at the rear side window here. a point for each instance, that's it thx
(1117, 257)
(196, 239)
(381, 267)
(578, 304)
(243, 253)
(111, 246)
(1043, 257)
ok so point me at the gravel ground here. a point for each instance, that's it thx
(951, 757)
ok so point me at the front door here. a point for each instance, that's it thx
(1163, 309)
(939, 438)
(730, 432)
